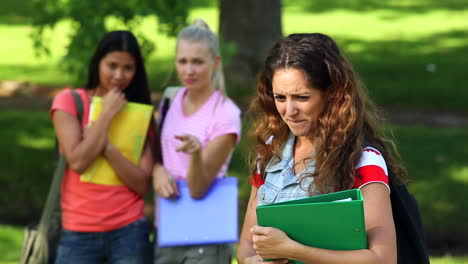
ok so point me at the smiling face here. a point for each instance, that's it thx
(195, 64)
(298, 103)
(116, 70)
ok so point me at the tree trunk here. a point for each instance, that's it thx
(251, 26)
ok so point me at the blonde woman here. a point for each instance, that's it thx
(201, 129)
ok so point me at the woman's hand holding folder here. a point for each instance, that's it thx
(269, 242)
(163, 183)
(257, 260)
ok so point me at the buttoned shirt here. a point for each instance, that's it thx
(281, 183)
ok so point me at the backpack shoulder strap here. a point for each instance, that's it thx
(48, 230)
(78, 104)
(411, 238)
(169, 94)
(52, 203)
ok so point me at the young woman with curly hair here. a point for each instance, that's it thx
(317, 133)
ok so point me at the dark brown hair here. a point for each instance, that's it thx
(348, 123)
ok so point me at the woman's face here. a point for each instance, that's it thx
(116, 70)
(298, 103)
(195, 64)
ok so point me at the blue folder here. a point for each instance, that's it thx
(209, 220)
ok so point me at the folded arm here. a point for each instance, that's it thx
(136, 177)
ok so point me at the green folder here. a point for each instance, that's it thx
(329, 221)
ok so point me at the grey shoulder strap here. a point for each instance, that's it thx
(50, 223)
(78, 104)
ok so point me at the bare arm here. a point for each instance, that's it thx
(163, 183)
(205, 165)
(81, 149)
(273, 243)
(245, 252)
(136, 177)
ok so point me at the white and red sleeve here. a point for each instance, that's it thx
(371, 168)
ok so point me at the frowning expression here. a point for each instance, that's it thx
(298, 103)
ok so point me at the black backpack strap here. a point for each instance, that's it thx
(169, 94)
(411, 238)
(164, 108)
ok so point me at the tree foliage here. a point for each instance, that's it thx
(88, 18)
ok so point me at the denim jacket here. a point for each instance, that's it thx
(281, 184)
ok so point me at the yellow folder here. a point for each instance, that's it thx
(127, 133)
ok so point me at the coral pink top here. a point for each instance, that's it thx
(89, 207)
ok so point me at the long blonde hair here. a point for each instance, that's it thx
(199, 31)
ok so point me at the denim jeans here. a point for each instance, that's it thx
(129, 244)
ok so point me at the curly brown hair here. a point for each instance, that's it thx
(348, 123)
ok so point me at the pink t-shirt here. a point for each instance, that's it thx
(89, 207)
(218, 116)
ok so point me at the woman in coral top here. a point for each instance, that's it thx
(104, 223)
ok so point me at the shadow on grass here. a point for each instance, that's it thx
(46, 74)
(438, 169)
(14, 12)
(27, 165)
(425, 73)
(402, 6)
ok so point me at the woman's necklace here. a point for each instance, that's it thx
(302, 153)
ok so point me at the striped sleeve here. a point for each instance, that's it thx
(371, 168)
(257, 180)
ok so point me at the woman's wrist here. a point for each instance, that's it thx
(106, 117)
(108, 148)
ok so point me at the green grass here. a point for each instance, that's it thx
(11, 238)
(435, 158)
(27, 163)
(391, 43)
(436, 162)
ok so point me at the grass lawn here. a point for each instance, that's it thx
(435, 158)
(409, 53)
(11, 238)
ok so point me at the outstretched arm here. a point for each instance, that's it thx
(205, 165)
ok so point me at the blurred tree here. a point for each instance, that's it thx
(89, 19)
(252, 27)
